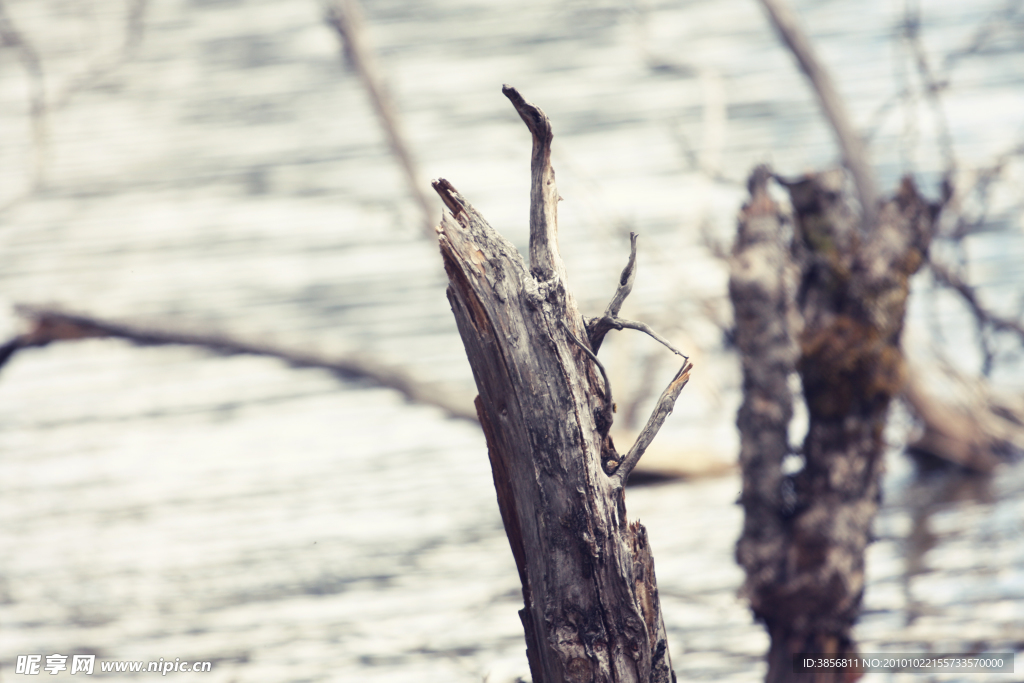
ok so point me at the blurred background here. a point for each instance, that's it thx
(220, 172)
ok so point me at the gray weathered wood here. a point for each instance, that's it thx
(591, 608)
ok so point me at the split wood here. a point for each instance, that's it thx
(591, 609)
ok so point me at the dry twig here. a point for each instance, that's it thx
(600, 326)
(661, 411)
(933, 87)
(597, 328)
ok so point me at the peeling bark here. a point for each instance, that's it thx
(825, 298)
(591, 600)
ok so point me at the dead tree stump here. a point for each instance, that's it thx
(825, 297)
(591, 601)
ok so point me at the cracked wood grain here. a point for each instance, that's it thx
(590, 606)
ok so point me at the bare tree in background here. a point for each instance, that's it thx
(822, 293)
(818, 296)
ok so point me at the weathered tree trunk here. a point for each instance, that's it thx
(826, 299)
(591, 602)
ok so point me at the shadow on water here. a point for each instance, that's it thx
(935, 488)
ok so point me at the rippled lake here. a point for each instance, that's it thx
(226, 174)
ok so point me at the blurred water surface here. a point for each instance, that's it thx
(229, 175)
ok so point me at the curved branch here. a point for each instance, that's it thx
(599, 327)
(609, 405)
(622, 323)
(545, 262)
(53, 325)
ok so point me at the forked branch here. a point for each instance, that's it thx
(597, 328)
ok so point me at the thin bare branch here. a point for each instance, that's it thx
(985, 179)
(346, 18)
(855, 156)
(933, 87)
(11, 37)
(999, 20)
(609, 404)
(544, 259)
(50, 325)
(984, 316)
(991, 27)
(626, 280)
(621, 323)
(661, 411)
(599, 327)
